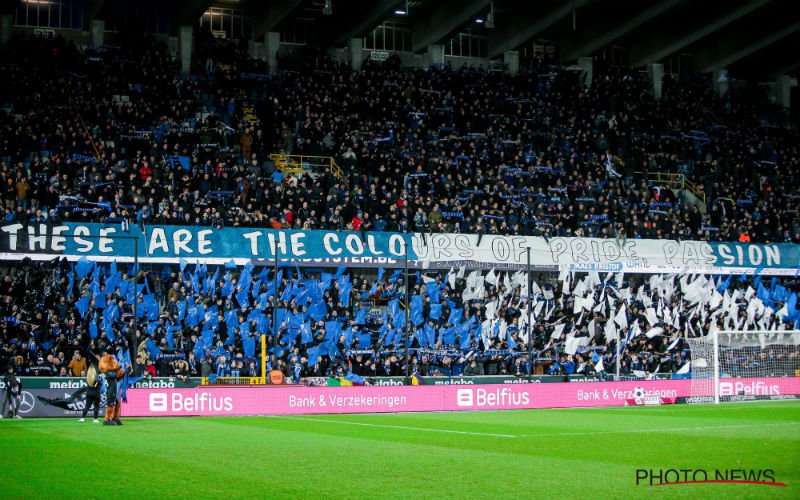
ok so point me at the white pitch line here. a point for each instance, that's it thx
(403, 427)
(654, 430)
(549, 434)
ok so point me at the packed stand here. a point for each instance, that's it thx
(114, 135)
(195, 321)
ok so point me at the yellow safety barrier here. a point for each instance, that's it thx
(674, 180)
(297, 164)
(234, 381)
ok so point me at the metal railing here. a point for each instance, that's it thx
(234, 381)
(297, 164)
(674, 180)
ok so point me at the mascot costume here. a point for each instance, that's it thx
(113, 370)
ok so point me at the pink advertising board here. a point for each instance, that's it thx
(212, 401)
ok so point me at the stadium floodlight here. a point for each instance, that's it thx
(490, 17)
(727, 364)
(328, 8)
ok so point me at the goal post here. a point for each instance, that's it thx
(754, 364)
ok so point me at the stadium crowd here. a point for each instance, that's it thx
(192, 322)
(114, 135)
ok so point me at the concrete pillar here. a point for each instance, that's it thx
(258, 50)
(511, 59)
(720, 81)
(185, 49)
(98, 29)
(783, 91)
(6, 21)
(435, 55)
(356, 52)
(586, 65)
(272, 42)
(656, 74)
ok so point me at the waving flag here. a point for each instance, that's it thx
(318, 310)
(436, 311)
(83, 267)
(344, 293)
(416, 310)
(249, 344)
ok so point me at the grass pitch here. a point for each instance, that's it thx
(580, 453)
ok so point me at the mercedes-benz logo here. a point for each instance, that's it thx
(27, 403)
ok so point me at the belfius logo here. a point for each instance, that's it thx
(672, 477)
(487, 398)
(175, 402)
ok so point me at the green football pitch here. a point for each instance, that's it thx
(579, 453)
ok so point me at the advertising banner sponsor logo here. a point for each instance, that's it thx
(53, 403)
(212, 401)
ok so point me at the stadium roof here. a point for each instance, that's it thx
(751, 38)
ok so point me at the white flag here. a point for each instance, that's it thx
(598, 367)
(654, 331)
(557, 331)
(451, 278)
(621, 318)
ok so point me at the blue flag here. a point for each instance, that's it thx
(416, 310)
(208, 338)
(436, 311)
(364, 340)
(355, 379)
(344, 293)
(318, 310)
(198, 350)
(305, 333)
(332, 330)
(249, 344)
(153, 349)
(83, 267)
(93, 328)
(361, 316)
(511, 343)
(313, 355)
(82, 305)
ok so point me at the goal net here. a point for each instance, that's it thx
(745, 365)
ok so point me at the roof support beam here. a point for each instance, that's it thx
(191, 11)
(595, 39)
(522, 27)
(444, 20)
(271, 16)
(366, 22)
(656, 48)
(91, 8)
(734, 49)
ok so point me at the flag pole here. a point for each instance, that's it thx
(263, 358)
(530, 325)
(275, 314)
(616, 348)
(405, 328)
(132, 335)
